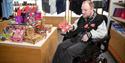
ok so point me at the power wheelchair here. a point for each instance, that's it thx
(93, 53)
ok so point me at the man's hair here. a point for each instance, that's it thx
(89, 2)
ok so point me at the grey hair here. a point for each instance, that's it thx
(89, 2)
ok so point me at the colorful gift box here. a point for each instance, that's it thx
(123, 13)
(38, 16)
(18, 33)
(31, 36)
(33, 39)
(117, 12)
(3, 25)
(18, 19)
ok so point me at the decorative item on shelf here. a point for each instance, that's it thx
(27, 8)
(16, 3)
(24, 3)
(2, 38)
(18, 19)
(123, 13)
(27, 14)
(18, 10)
(24, 15)
(18, 33)
(34, 8)
(4, 30)
(119, 12)
(38, 16)
(48, 27)
(31, 36)
(39, 27)
(7, 33)
(3, 25)
(21, 16)
(30, 31)
(31, 20)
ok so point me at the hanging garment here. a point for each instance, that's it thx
(75, 6)
(60, 6)
(52, 4)
(106, 5)
(0, 8)
(7, 8)
(45, 6)
(98, 4)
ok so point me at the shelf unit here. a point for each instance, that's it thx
(120, 4)
(118, 19)
(117, 41)
(113, 5)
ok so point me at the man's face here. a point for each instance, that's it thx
(86, 10)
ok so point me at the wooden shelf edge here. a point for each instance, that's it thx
(120, 4)
(118, 19)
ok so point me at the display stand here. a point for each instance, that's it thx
(40, 52)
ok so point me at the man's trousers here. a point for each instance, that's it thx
(67, 51)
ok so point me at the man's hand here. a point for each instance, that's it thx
(86, 26)
(85, 38)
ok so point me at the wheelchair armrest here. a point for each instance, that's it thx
(107, 37)
(102, 43)
(69, 34)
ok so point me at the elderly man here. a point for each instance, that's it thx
(89, 26)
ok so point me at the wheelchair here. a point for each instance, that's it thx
(94, 52)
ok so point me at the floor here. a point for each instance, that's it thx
(107, 54)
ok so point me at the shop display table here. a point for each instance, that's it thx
(40, 52)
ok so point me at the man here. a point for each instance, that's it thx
(88, 27)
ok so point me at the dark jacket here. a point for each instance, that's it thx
(75, 6)
(60, 6)
(97, 20)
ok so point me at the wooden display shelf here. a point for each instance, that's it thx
(41, 52)
(118, 19)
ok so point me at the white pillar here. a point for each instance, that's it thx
(68, 14)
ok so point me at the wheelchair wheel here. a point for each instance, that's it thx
(102, 60)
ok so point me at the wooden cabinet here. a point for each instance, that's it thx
(117, 41)
(117, 46)
(41, 52)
